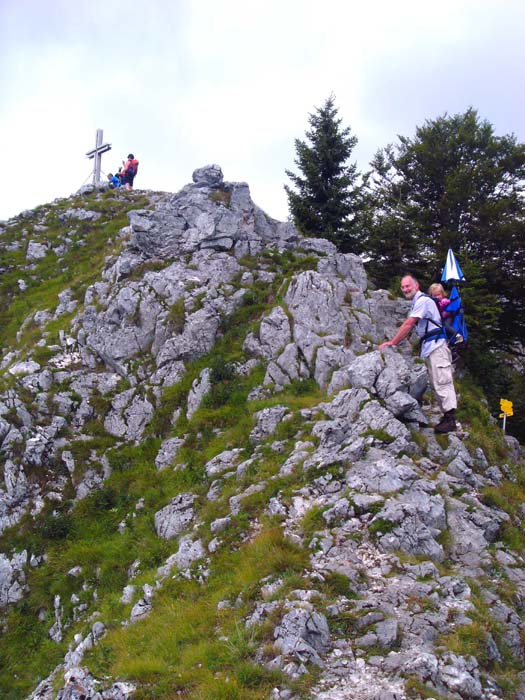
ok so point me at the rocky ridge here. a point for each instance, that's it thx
(397, 518)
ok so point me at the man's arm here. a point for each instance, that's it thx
(404, 331)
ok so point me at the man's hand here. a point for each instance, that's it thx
(403, 332)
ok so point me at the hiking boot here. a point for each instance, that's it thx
(447, 424)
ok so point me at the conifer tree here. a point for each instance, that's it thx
(454, 185)
(326, 200)
(457, 185)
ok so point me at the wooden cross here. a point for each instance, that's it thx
(96, 153)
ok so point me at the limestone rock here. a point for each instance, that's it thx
(12, 578)
(129, 415)
(189, 552)
(200, 387)
(174, 518)
(28, 367)
(36, 251)
(267, 421)
(209, 175)
(167, 452)
(303, 634)
(222, 462)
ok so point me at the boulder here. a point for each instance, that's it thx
(12, 578)
(209, 175)
(303, 634)
(174, 518)
(167, 452)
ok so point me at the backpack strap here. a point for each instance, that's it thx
(435, 333)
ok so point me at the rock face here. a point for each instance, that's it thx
(395, 524)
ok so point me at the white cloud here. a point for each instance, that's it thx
(182, 83)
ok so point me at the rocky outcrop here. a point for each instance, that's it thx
(175, 517)
(356, 478)
(12, 578)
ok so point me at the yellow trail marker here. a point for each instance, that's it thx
(506, 406)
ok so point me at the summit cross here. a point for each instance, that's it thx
(96, 153)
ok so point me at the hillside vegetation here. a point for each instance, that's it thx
(215, 487)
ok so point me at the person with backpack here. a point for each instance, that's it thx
(129, 171)
(435, 351)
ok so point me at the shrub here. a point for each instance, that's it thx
(380, 526)
(221, 197)
(380, 435)
(56, 527)
(313, 521)
(177, 316)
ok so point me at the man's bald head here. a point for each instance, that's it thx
(409, 286)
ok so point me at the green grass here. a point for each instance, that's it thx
(221, 197)
(176, 316)
(420, 440)
(312, 521)
(417, 690)
(468, 640)
(381, 526)
(187, 656)
(483, 431)
(79, 267)
(380, 435)
(188, 647)
(509, 497)
(188, 644)
(471, 640)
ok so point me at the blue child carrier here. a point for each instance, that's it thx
(454, 327)
(457, 325)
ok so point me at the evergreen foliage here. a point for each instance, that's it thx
(327, 200)
(454, 185)
(457, 185)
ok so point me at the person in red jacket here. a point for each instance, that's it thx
(129, 171)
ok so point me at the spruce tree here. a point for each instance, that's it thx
(326, 200)
(457, 185)
(454, 185)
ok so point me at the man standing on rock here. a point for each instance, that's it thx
(434, 351)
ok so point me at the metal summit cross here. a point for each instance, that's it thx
(96, 153)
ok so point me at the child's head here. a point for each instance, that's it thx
(436, 290)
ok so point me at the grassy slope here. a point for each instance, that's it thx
(187, 647)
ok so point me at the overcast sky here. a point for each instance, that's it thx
(184, 83)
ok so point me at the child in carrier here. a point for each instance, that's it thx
(438, 293)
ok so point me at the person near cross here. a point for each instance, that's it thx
(129, 171)
(434, 351)
(114, 181)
